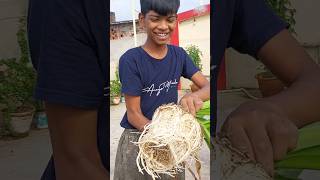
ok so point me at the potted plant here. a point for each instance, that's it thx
(195, 54)
(16, 89)
(2, 106)
(268, 83)
(40, 117)
(115, 89)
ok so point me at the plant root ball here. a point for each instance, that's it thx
(170, 143)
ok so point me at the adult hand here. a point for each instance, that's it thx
(191, 103)
(262, 131)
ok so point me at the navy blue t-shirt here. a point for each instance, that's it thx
(154, 80)
(245, 25)
(69, 49)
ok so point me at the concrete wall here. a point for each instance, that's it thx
(120, 46)
(197, 32)
(10, 12)
(241, 69)
(307, 17)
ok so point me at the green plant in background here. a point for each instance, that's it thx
(115, 85)
(16, 86)
(39, 105)
(18, 79)
(195, 54)
(284, 9)
(23, 43)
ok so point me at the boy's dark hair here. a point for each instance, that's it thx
(162, 7)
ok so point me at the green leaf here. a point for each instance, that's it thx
(206, 105)
(300, 162)
(309, 136)
(307, 153)
(203, 117)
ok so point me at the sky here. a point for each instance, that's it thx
(122, 8)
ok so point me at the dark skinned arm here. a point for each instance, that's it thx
(289, 61)
(73, 134)
(134, 113)
(192, 102)
(267, 129)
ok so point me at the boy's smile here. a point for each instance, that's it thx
(159, 28)
(162, 36)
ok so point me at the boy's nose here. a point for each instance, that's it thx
(163, 25)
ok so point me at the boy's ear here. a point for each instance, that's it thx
(141, 20)
(141, 16)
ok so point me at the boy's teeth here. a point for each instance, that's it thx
(162, 34)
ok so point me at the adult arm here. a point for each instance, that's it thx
(73, 134)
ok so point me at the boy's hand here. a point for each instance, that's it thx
(262, 131)
(191, 103)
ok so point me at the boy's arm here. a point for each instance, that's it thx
(73, 134)
(134, 113)
(267, 129)
(290, 63)
(192, 102)
(201, 81)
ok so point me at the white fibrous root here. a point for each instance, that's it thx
(170, 143)
(229, 163)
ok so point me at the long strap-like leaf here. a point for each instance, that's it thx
(305, 156)
(203, 117)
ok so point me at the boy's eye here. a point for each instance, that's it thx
(172, 19)
(154, 19)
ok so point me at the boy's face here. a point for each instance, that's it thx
(159, 28)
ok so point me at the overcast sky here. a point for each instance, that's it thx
(122, 8)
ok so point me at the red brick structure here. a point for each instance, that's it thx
(121, 29)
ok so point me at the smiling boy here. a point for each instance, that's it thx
(149, 75)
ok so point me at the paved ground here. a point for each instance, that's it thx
(25, 159)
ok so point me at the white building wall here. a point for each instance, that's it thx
(196, 31)
(10, 12)
(119, 47)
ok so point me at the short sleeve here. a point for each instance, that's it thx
(189, 68)
(130, 77)
(68, 67)
(254, 24)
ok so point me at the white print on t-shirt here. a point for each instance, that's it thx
(163, 86)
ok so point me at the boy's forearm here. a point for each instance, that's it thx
(301, 101)
(285, 57)
(137, 120)
(203, 93)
